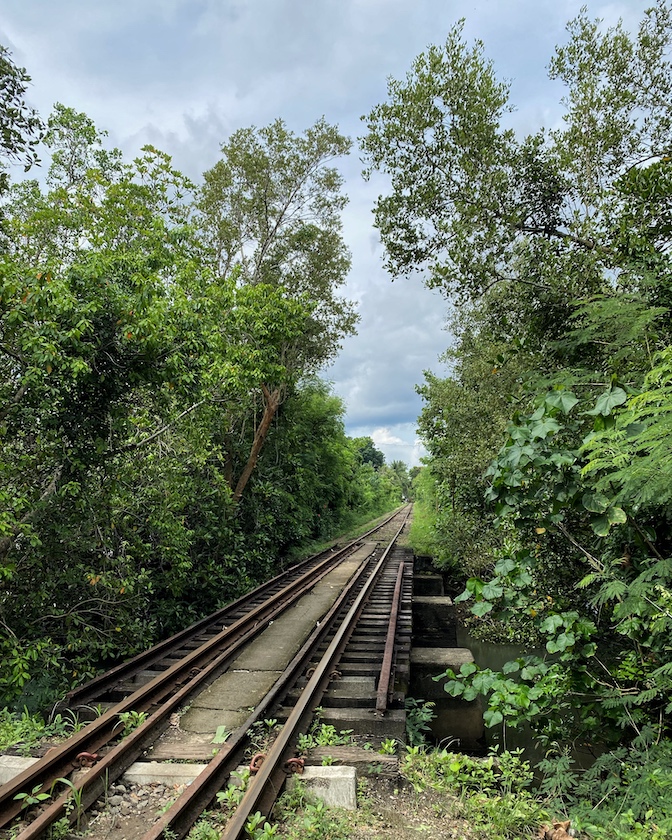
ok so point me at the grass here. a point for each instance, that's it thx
(360, 526)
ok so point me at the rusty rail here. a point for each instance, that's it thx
(309, 699)
(92, 689)
(60, 761)
(385, 679)
(197, 668)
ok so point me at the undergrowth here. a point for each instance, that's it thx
(25, 731)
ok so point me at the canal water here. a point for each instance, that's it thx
(495, 656)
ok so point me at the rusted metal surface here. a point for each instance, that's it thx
(178, 820)
(193, 670)
(99, 686)
(176, 686)
(388, 657)
(310, 698)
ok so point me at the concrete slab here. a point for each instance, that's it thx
(283, 638)
(12, 765)
(208, 720)
(434, 621)
(454, 718)
(236, 690)
(149, 772)
(228, 700)
(366, 722)
(335, 786)
(427, 585)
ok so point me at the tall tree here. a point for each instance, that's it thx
(270, 211)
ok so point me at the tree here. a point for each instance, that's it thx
(557, 247)
(270, 212)
(475, 205)
(369, 453)
(20, 126)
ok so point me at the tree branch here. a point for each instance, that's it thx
(589, 244)
(16, 399)
(132, 446)
(6, 541)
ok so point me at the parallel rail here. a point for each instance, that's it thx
(178, 684)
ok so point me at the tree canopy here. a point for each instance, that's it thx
(165, 440)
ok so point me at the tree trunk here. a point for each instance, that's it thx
(272, 401)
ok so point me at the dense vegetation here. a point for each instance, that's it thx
(165, 438)
(548, 484)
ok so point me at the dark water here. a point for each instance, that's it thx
(494, 656)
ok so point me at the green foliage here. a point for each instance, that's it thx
(494, 791)
(26, 731)
(388, 746)
(131, 720)
(158, 416)
(258, 828)
(35, 797)
(323, 735)
(419, 715)
(20, 126)
(303, 815)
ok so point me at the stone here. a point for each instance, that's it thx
(335, 786)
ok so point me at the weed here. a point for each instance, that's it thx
(388, 746)
(317, 821)
(256, 831)
(60, 829)
(33, 798)
(419, 714)
(204, 830)
(74, 800)
(262, 734)
(327, 760)
(25, 731)
(131, 720)
(295, 798)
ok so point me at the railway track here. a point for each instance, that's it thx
(347, 664)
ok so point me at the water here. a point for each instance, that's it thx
(495, 656)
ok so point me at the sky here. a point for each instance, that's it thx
(184, 74)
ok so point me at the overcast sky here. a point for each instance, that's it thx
(184, 74)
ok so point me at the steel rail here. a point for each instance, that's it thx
(179, 819)
(385, 678)
(59, 761)
(308, 700)
(51, 767)
(107, 681)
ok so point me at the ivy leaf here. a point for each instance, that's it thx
(511, 667)
(492, 717)
(608, 401)
(468, 669)
(564, 400)
(481, 608)
(600, 525)
(617, 516)
(492, 590)
(595, 502)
